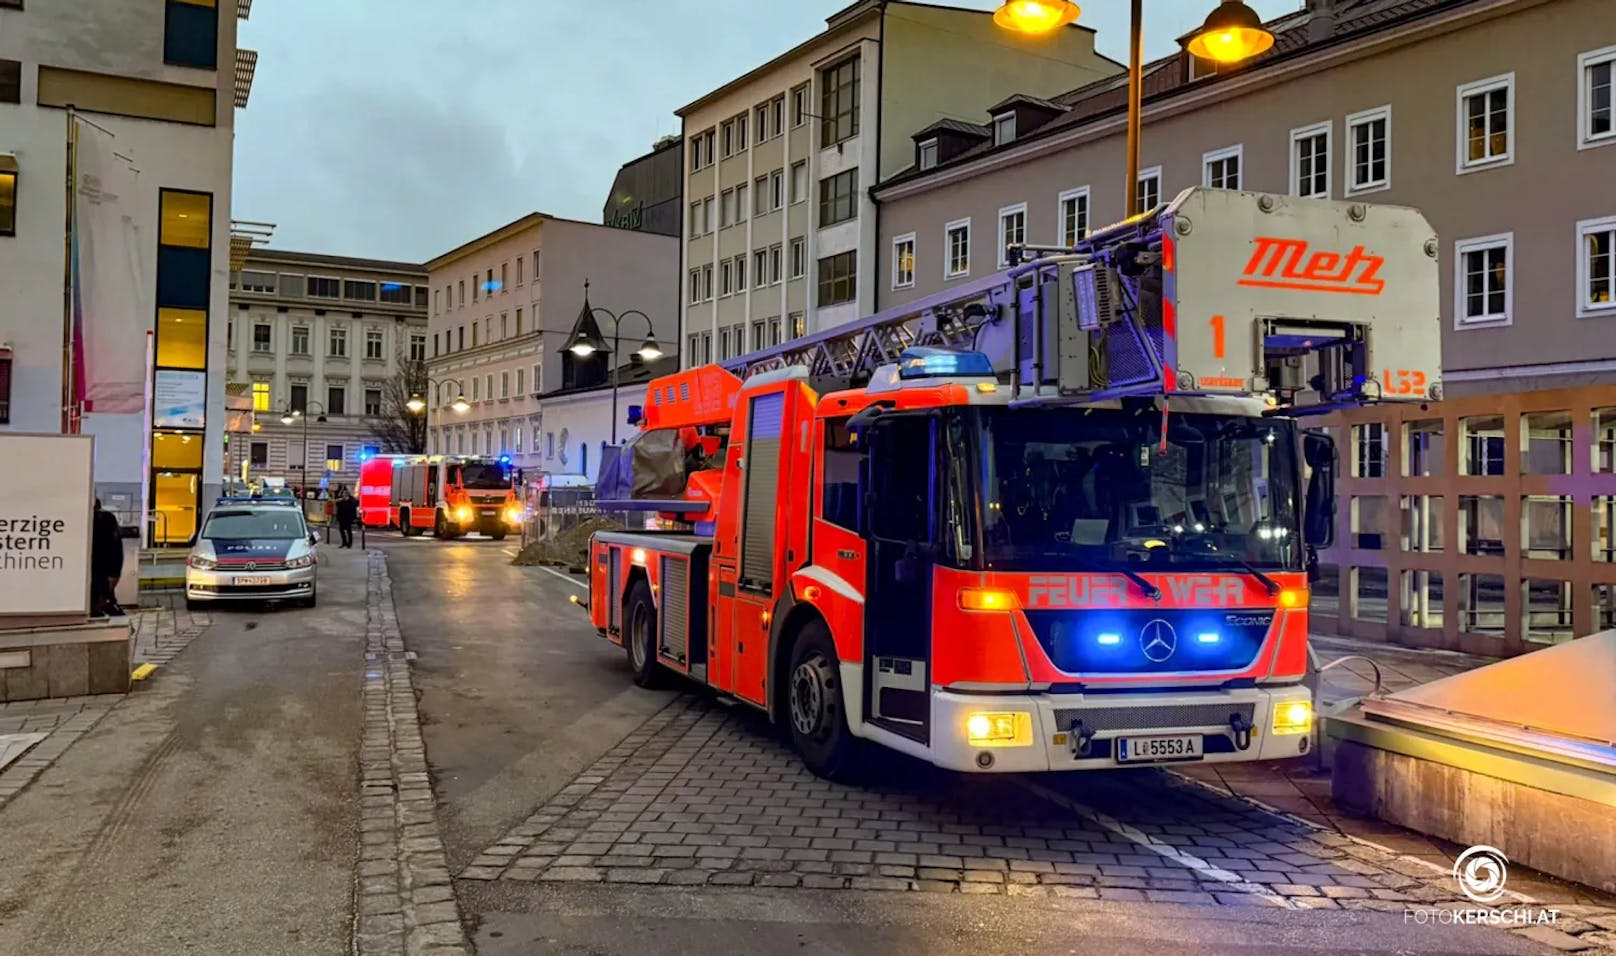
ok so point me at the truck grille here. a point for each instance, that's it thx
(1174, 716)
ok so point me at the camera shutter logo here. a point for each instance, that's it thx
(1481, 872)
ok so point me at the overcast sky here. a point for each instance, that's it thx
(398, 129)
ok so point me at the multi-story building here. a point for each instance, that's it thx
(1485, 522)
(779, 226)
(648, 193)
(151, 91)
(324, 340)
(503, 308)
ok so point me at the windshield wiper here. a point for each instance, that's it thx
(1151, 591)
(1267, 582)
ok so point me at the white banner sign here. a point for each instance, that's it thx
(46, 499)
(179, 399)
(109, 291)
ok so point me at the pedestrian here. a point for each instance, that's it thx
(347, 512)
(106, 563)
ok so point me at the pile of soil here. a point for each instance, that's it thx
(570, 549)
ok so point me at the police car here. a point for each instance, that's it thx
(252, 549)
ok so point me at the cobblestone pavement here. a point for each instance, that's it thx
(159, 633)
(705, 795)
(406, 900)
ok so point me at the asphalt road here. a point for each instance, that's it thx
(563, 789)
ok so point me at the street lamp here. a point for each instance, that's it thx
(1232, 32)
(290, 415)
(586, 343)
(417, 404)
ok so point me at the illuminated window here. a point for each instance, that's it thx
(8, 196)
(191, 34)
(903, 261)
(182, 338)
(957, 248)
(186, 219)
(260, 396)
(1596, 267)
(1483, 294)
(176, 452)
(1486, 115)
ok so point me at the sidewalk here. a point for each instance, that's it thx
(1301, 787)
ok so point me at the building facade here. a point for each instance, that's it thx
(154, 88)
(503, 308)
(779, 228)
(324, 340)
(648, 193)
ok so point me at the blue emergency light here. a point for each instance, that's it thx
(922, 362)
(504, 459)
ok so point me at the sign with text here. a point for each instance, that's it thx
(46, 498)
(179, 399)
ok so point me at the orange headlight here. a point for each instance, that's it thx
(988, 599)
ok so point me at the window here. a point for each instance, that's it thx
(799, 106)
(476, 289)
(437, 301)
(1483, 295)
(760, 268)
(1220, 169)
(373, 402)
(436, 351)
(695, 286)
(336, 400)
(300, 340)
(538, 371)
(264, 282)
(300, 396)
(334, 453)
(258, 452)
(779, 105)
(774, 264)
(903, 261)
(1596, 267)
(774, 331)
(1073, 216)
(838, 103)
(707, 217)
(799, 181)
(777, 188)
(799, 324)
(503, 275)
(475, 327)
(760, 195)
(520, 262)
(1486, 121)
(1310, 161)
(726, 209)
(260, 396)
(191, 34)
(10, 72)
(740, 203)
(928, 154)
(1369, 142)
(1004, 129)
(726, 278)
(1012, 230)
(707, 144)
(418, 346)
(707, 282)
(504, 384)
(726, 138)
(374, 342)
(695, 219)
(695, 153)
(263, 341)
(957, 249)
(740, 273)
(799, 258)
(1149, 194)
(8, 196)
(337, 343)
(1596, 98)
(462, 299)
(758, 339)
(723, 344)
(322, 288)
(518, 320)
(838, 278)
(838, 198)
(462, 335)
(521, 374)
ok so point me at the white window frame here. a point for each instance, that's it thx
(1154, 172)
(1327, 130)
(1463, 164)
(1236, 152)
(1005, 213)
(948, 249)
(1586, 309)
(799, 257)
(1463, 247)
(1083, 193)
(897, 242)
(1349, 187)
(1586, 61)
(800, 194)
(920, 154)
(1004, 129)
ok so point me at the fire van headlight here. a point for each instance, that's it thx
(513, 515)
(463, 514)
(999, 729)
(1293, 717)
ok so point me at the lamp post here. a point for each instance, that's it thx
(290, 415)
(417, 405)
(584, 345)
(1232, 32)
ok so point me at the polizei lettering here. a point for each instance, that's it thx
(26, 543)
(1107, 590)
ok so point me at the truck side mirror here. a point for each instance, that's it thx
(1318, 525)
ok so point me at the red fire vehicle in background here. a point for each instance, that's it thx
(1059, 518)
(447, 495)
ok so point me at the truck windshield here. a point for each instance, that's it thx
(1073, 488)
(484, 475)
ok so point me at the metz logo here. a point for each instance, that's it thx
(1074, 590)
(1292, 264)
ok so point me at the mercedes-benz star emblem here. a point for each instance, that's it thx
(1158, 640)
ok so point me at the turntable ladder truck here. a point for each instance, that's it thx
(1061, 517)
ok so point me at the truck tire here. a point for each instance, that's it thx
(440, 526)
(404, 527)
(814, 711)
(639, 636)
(497, 535)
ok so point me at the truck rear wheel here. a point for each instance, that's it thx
(814, 707)
(639, 636)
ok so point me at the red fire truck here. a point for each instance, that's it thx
(1059, 518)
(447, 495)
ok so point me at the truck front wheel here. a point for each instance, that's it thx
(639, 635)
(814, 706)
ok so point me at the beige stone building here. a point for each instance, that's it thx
(322, 337)
(503, 307)
(779, 226)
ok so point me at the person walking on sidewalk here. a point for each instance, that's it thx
(106, 563)
(347, 513)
